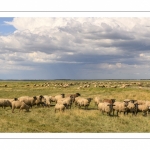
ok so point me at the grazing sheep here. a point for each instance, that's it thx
(107, 107)
(80, 101)
(5, 103)
(59, 107)
(47, 100)
(40, 101)
(19, 105)
(28, 100)
(120, 107)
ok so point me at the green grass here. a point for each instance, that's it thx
(45, 120)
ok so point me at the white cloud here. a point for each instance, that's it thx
(107, 43)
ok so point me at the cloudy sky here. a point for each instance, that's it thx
(75, 48)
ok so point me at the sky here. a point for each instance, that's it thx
(75, 48)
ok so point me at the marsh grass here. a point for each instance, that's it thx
(45, 120)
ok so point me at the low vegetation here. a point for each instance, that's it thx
(74, 120)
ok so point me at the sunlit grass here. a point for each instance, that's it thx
(45, 120)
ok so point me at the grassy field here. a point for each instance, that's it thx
(45, 120)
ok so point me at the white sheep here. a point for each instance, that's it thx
(120, 107)
(106, 107)
(59, 107)
(144, 108)
(47, 100)
(80, 101)
(19, 105)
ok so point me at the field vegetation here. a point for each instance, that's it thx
(74, 120)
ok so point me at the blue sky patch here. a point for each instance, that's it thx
(6, 29)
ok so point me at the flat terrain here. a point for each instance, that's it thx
(74, 120)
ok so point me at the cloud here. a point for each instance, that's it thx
(85, 45)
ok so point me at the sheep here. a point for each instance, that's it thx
(47, 100)
(60, 107)
(74, 96)
(19, 105)
(80, 101)
(5, 103)
(120, 107)
(28, 100)
(132, 107)
(40, 101)
(144, 108)
(107, 107)
(67, 101)
(97, 100)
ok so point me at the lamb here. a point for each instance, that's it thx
(19, 105)
(59, 107)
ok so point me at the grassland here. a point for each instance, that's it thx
(45, 120)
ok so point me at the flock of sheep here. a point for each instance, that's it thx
(62, 102)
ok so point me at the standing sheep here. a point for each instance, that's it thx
(132, 107)
(143, 108)
(85, 102)
(120, 107)
(107, 107)
(47, 100)
(59, 107)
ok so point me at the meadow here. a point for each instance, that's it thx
(74, 120)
